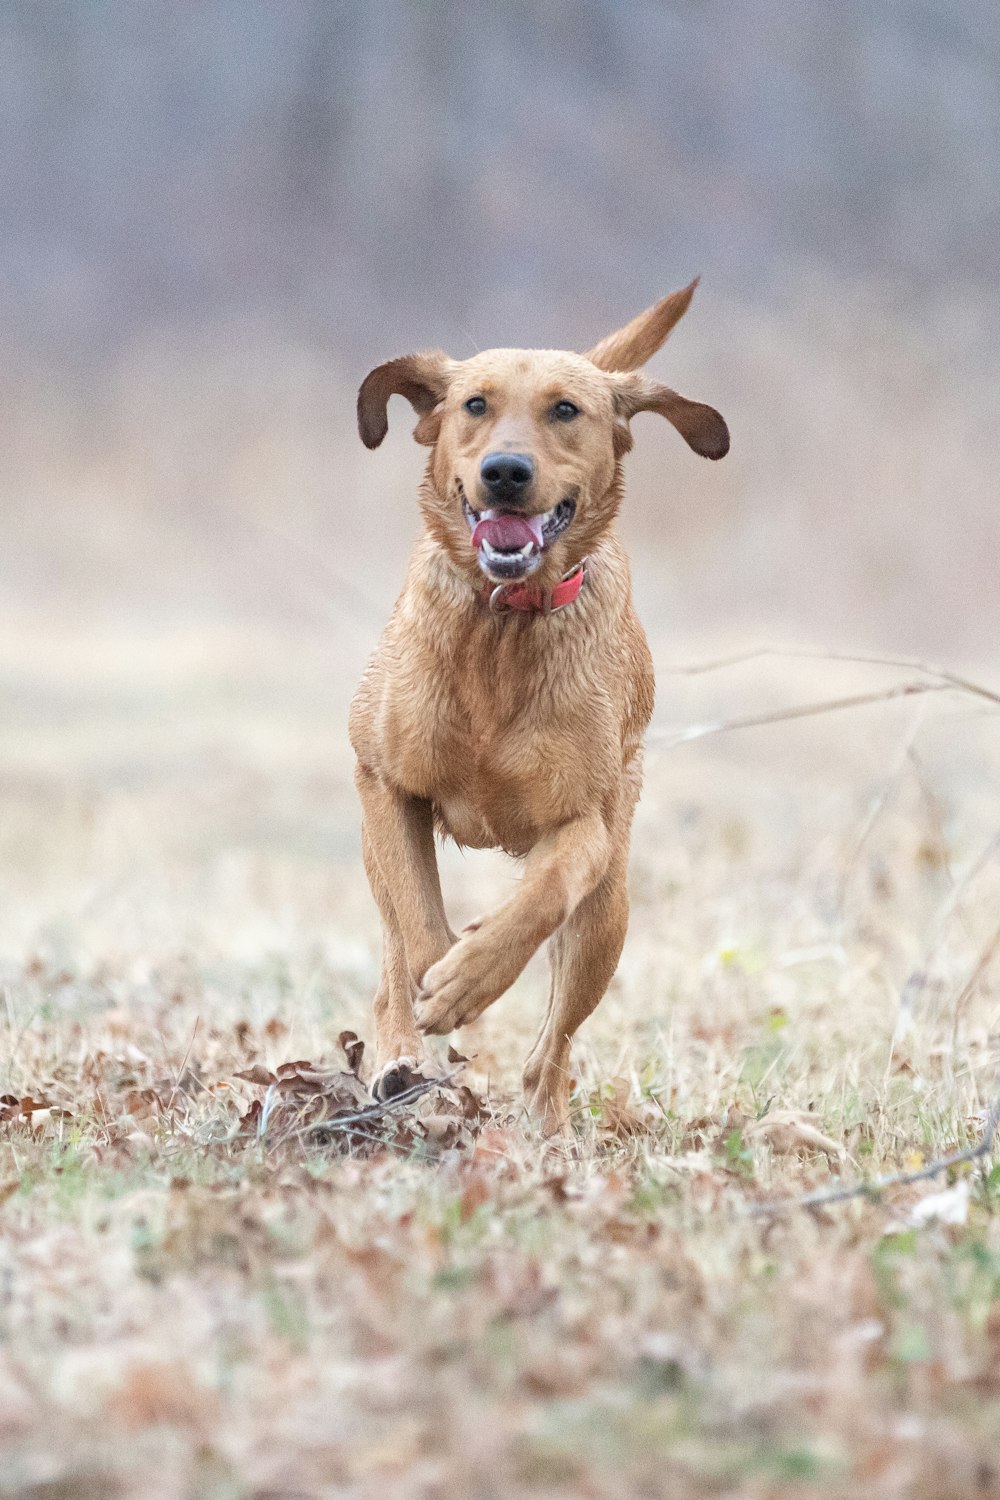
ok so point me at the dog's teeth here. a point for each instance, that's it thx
(493, 555)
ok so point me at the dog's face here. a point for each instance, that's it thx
(523, 465)
(527, 443)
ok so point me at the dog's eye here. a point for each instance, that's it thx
(565, 411)
(476, 406)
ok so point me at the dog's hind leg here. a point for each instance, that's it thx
(583, 956)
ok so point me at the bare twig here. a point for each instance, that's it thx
(932, 806)
(371, 1113)
(972, 984)
(184, 1060)
(878, 1185)
(972, 873)
(880, 802)
(857, 658)
(917, 980)
(670, 738)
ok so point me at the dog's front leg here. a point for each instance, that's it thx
(398, 845)
(561, 870)
(399, 830)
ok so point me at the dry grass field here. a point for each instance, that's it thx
(442, 1306)
(222, 1275)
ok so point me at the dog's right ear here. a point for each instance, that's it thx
(421, 378)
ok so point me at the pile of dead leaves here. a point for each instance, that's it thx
(309, 1105)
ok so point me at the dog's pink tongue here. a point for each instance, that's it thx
(506, 532)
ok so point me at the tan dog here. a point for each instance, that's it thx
(507, 700)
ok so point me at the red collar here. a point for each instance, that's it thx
(535, 601)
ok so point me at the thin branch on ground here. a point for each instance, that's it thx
(878, 1185)
(380, 1108)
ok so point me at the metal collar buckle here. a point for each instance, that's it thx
(498, 604)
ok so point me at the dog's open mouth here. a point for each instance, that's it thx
(510, 543)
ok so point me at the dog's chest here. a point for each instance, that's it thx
(502, 748)
(494, 788)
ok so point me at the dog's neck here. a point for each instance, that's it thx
(528, 599)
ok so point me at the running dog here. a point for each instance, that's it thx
(507, 700)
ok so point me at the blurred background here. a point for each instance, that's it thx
(217, 215)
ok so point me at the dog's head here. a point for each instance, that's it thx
(527, 443)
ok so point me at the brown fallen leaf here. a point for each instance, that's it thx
(461, 1101)
(353, 1049)
(441, 1129)
(618, 1116)
(257, 1074)
(787, 1131)
(284, 1070)
(339, 1090)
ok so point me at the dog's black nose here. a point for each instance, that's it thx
(506, 475)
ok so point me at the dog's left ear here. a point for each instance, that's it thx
(421, 378)
(629, 347)
(701, 427)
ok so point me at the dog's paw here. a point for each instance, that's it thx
(394, 1078)
(458, 988)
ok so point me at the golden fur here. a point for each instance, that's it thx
(521, 731)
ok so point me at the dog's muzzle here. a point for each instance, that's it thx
(510, 543)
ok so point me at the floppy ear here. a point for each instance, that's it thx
(701, 427)
(639, 340)
(421, 378)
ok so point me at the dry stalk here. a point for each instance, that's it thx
(371, 1114)
(972, 984)
(184, 1063)
(917, 979)
(935, 679)
(880, 802)
(878, 1185)
(671, 738)
(942, 675)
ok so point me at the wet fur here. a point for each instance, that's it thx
(517, 731)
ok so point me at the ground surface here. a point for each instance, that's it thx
(191, 1310)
